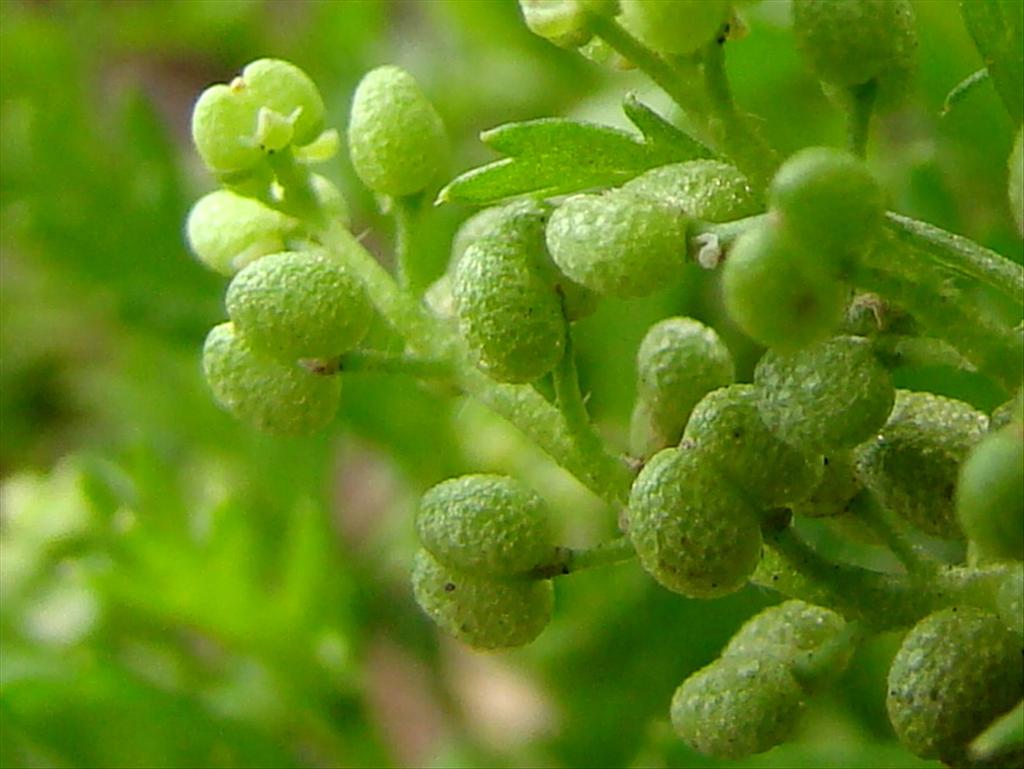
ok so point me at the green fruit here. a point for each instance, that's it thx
(563, 22)
(286, 89)
(727, 427)
(779, 293)
(299, 304)
(509, 313)
(956, 671)
(1010, 599)
(481, 612)
(850, 42)
(831, 395)
(835, 491)
(708, 190)
(680, 360)
(914, 462)
(618, 244)
(787, 631)
(673, 27)
(990, 494)
(486, 525)
(1016, 181)
(273, 397)
(738, 706)
(395, 137)
(828, 201)
(227, 231)
(692, 531)
(223, 127)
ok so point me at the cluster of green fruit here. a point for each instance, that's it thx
(820, 432)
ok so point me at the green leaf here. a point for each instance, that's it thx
(554, 156)
(997, 27)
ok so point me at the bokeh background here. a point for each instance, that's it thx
(177, 590)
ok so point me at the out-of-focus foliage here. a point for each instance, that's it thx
(176, 590)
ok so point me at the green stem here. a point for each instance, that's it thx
(570, 400)
(963, 89)
(383, 362)
(570, 561)
(1003, 735)
(866, 508)
(860, 108)
(896, 350)
(404, 210)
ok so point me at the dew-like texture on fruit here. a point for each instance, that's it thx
(672, 27)
(227, 231)
(738, 706)
(299, 304)
(274, 397)
(705, 189)
(727, 426)
(785, 631)
(509, 313)
(990, 494)
(618, 244)
(396, 138)
(283, 87)
(913, 463)
(691, 529)
(679, 361)
(849, 42)
(1016, 181)
(956, 671)
(831, 395)
(779, 293)
(490, 525)
(479, 611)
(828, 200)
(835, 491)
(223, 126)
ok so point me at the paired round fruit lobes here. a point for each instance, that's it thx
(673, 27)
(990, 494)
(227, 231)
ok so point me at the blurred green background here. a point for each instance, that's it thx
(177, 590)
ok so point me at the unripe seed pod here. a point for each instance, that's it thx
(831, 395)
(509, 313)
(299, 304)
(738, 706)
(617, 243)
(692, 530)
(778, 293)
(481, 612)
(273, 397)
(708, 190)
(223, 126)
(835, 491)
(679, 361)
(913, 463)
(828, 200)
(787, 631)
(1016, 181)
(395, 136)
(727, 427)
(990, 494)
(673, 27)
(849, 42)
(562, 22)
(227, 231)
(956, 671)
(286, 89)
(487, 525)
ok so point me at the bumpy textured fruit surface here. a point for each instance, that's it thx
(227, 231)
(679, 361)
(779, 293)
(330, 198)
(705, 189)
(273, 397)
(618, 244)
(674, 27)
(691, 529)
(223, 126)
(490, 525)
(956, 671)
(396, 138)
(298, 304)
(828, 200)
(835, 491)
(738, 706)
(834, 394)
(913, 463)
(481, 612)
(785, 631)
(849, 42)
(990, 494)
(726, 426)
(286, 89)
(509, 313)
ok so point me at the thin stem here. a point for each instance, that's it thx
(404, 210)
(570, 400)
(960, 254)
(867, 509)
(570, 561)
(860, 108)
(963, 89)
(896, 350)
(1002, 735)
(382, 362)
